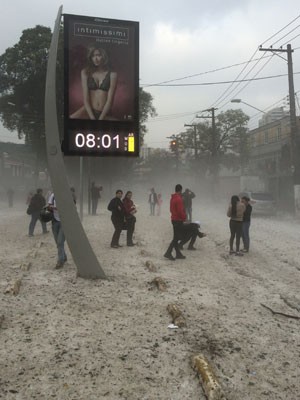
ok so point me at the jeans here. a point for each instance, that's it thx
(35, 216)
(130, 228)
(188, 212)
(152, 208)
(245, 236)
(59, 238)
(236, 230)
(118, 225)
(177, 234)
(94, 205)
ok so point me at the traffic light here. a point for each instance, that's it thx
(174, 145)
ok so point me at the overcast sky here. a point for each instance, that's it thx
(186, 38)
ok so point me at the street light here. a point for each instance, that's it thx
(241, 101)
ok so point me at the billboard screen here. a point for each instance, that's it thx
(101, 73)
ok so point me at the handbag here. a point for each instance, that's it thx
(29, 210)
(46, 214)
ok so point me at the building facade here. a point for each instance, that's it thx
(270, 159)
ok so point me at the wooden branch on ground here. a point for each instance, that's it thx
(211, 386)
(280, 313)
(177, 317)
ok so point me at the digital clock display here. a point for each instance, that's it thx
(98, 143)
(101, 92)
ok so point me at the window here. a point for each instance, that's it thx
(279, 133)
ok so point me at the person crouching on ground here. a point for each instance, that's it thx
(190, 232)
(178, 216)
(235, 212)
(130, 218)
(117, 217)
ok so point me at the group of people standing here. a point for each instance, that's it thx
(239, 212)
(123, 217)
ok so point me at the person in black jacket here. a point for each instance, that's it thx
(117, 217)
(187, 197)
(190, 231)
(36, 204)
(246, 224)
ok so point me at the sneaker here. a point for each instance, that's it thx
(180, 257)
(245, 250)
(169, 257)
(238, 253)
(59, 265)
(114, 246)
(131, 244)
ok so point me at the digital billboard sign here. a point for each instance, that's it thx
(101, 94)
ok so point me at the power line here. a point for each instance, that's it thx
(282, 29)
(222, 82)
(254, 78)
(290, 40)
(285, 35)
(226, 91)
(201, 73)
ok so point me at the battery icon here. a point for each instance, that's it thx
(131, 142)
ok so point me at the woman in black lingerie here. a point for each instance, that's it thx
(98, 86)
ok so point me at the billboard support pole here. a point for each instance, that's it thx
(81, 250)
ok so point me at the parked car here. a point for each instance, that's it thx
(262, 203)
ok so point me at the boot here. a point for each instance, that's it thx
(169, 256)
(180, 256)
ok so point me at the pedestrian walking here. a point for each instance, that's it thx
(235, 212)
(152, 201)
(117, 217)
(95, 196)
(37, 202)
(58, 233)
(246, 224)
(178, 216)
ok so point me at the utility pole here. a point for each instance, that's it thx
(214, 164)
(294, 153)
(195, 139)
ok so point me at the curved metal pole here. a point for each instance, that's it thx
(82, 252)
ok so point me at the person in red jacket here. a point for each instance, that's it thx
(178, 217)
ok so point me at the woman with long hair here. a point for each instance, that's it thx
(98, 86)
(130, 210)
(235, 212)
